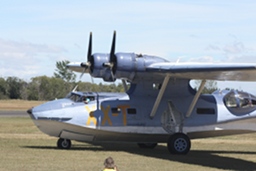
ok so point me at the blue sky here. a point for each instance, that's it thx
(36, 34)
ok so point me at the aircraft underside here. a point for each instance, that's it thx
(86, 134)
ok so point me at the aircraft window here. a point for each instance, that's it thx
(157, 86)
(115, 110)
(87, 99)
(253, 101)
(240, 102)
(74, 97)
(139, 55)
(210, 111)
(78, 98)
(231, 100)
(131, 111)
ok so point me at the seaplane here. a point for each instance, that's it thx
(158, 105)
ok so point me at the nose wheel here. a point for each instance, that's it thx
(179, 143)
(63, 143)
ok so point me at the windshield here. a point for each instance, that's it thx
(74, 97)
(80, 98)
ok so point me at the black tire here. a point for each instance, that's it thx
(63, 143)
(147, 145)
(179, 143)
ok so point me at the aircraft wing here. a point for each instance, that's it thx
(208, 71)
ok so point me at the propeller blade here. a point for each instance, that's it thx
(111, 65)
(87, 64)
(89, 53)
(75, 88)
(92, 80)
(112, 75)
(82, 73)
(113, 47)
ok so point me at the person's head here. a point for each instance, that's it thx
(109, 163)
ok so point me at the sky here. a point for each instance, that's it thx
(34, 35)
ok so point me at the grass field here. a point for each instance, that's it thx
(24, 147)
(18, 104)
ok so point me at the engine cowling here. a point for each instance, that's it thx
(98, 70)
(130, 66)
(126, 66)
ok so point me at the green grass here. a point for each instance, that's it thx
(24, 147)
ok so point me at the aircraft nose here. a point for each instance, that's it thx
(29, 111)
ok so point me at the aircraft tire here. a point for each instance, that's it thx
(147, 145)
(179, 143)
(63, 143)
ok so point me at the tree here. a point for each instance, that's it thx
(14, 87)
(24, 90)
(209, 87)
(86, 86)
(63, 72)
(3, 89)
(46, 88)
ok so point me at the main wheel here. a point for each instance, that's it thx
(147, 145)
(179, 143)
(63, 143)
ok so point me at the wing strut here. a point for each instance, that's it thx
(193, 103)
(125, 85)
(159, 96)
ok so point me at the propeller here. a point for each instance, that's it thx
(89, 63)
(112, 58)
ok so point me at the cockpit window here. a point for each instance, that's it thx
(87, 99)
(74, 97)
(80, 98)
(240, 102)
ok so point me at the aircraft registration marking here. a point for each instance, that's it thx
(123, 111)
(106, 115)
(91, 118)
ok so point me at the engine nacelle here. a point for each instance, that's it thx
(131, 66)
(128, 66)
(97, 69)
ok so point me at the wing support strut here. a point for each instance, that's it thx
(124, 85)
(159, 96)
(193, 103)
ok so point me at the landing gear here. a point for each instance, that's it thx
(63, 143)
(179, 143)
(147, 145)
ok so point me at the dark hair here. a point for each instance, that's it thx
(109, 163)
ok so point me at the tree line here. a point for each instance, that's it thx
(47, 88)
